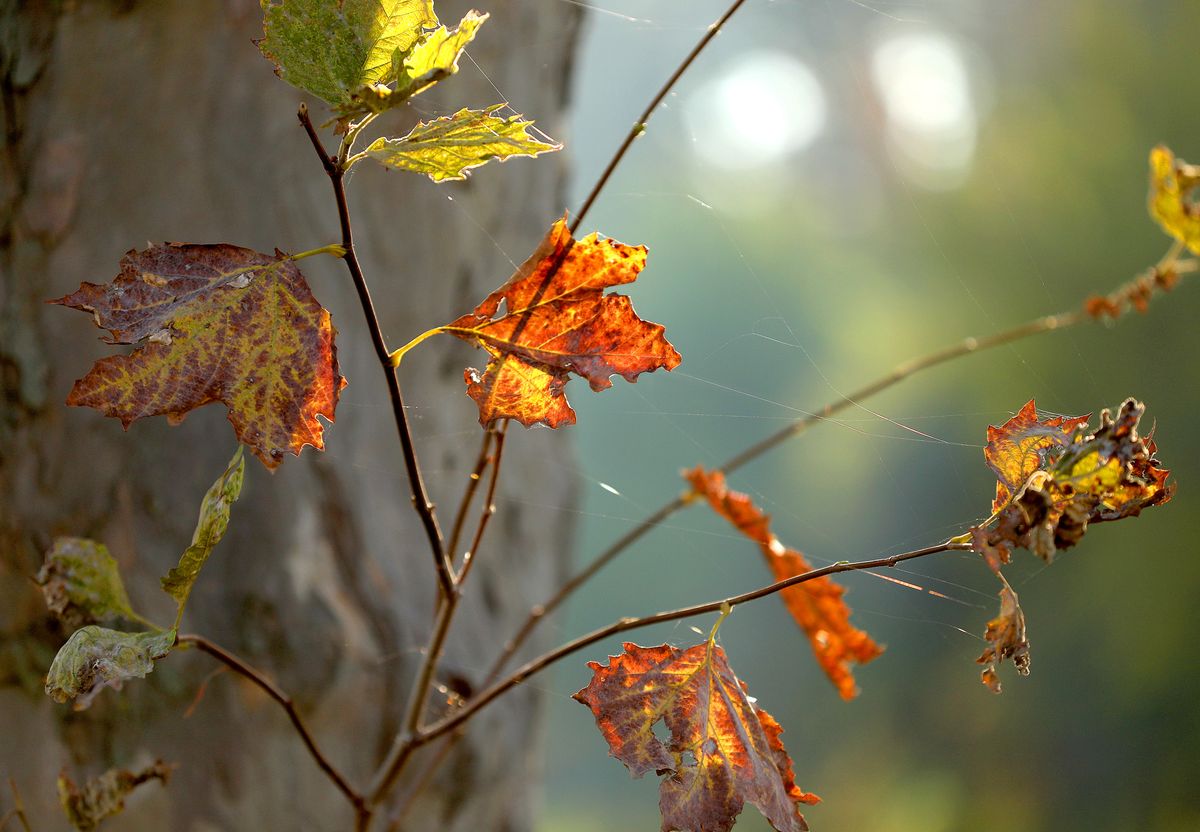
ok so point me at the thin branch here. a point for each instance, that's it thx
(420, 496)
(476, 476)
(639, 126)
(268, 687)
(18, 810)
(489, 506)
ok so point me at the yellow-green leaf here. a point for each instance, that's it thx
(448, 147)
(82, 585)
(214, 519)
(95, 657)
(333, 48)
(1173, 196)
(435, 56)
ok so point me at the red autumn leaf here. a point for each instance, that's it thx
(1017, 449)
(816, 605)
(723, 751)
(214, 323)
(1006, 640)
(557, 321)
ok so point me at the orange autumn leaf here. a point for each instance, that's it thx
(723, 749)
(214, 323)
(1017, 449)
(557, 320)
(1006, 641)
(816, 605)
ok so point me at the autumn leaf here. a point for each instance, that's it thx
(210, 528)
(558, 321)
(214, 323)
(1006, 640)
(723, 750)
(1174, 196)
(104, 796)
(333, 49)
(447, 148)
(1019, 447)
(96, 657)
(816, 605)
(82, 585)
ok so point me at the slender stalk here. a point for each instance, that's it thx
(489, 506)
(268, 687)
(639, 126)
(476, 476)
(18, 810)
(420, 496)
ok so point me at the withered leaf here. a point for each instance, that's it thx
(95, 657)
(1006, 640)
(816, 605)
(557, 321)
(104, 796)
(82, 585)
(214, 323)
(723, 750)
(1174, 195)
(1018, 448)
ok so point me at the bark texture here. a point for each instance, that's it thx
(133, 121)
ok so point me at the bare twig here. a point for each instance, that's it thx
(489, 506)
(473, 480)
(420, 496)
(18, 809)
(268, 687)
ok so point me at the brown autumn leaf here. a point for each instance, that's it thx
(1017, 449)
(723, 750)
(1006, 640)
(104, 796)
(557, 320)
(214, 323)
(816, 605)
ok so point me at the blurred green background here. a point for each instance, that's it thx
(835, 187)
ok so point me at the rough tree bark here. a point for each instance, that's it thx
(133, 121)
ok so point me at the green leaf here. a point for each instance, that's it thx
(82, 585)
(448, 147)
(96, 657)
(333, 48)
(104, 796)
(214, 519)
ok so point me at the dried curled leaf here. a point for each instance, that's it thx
(104, 796)
(82, 584)
(95, 657)
(447, 148)
(210, 528)
(1019, 447)
(215, 323)
(558, 321)
(1106, 475)
(1006, 640)
(1174, 196)
(723, 749)
(332, 49)
(816, 605)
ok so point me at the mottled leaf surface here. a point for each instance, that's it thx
(1020, 446)
(816, 605)
(1175, 197)
(95, 657)
(104, 796)
(557, 320)
(82, 584)
(1006, 640)
(215, 323)
(723, 749)
(447, 148)
(210, 528)
(332, 48)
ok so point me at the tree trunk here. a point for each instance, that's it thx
(133, 121)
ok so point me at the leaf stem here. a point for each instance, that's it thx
(333, 249)
(639, 126)
(267, 686)
(420, 496)
(397, 356)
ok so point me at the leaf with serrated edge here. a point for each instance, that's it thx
(723, 750)
(95, 657)
(332, 49)
(1006, 641)
(817, 605)
(215, 323)
(214, 519)
(435, 56)
(1016, 449)
(559, 321)
(446, 148)
(1174, 195)
(104, 796)
(82, 584)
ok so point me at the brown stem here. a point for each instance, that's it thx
(476, 476)
(489, 506)
(18, 809)
(639, 126)
(420, 496)
(267, 686)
